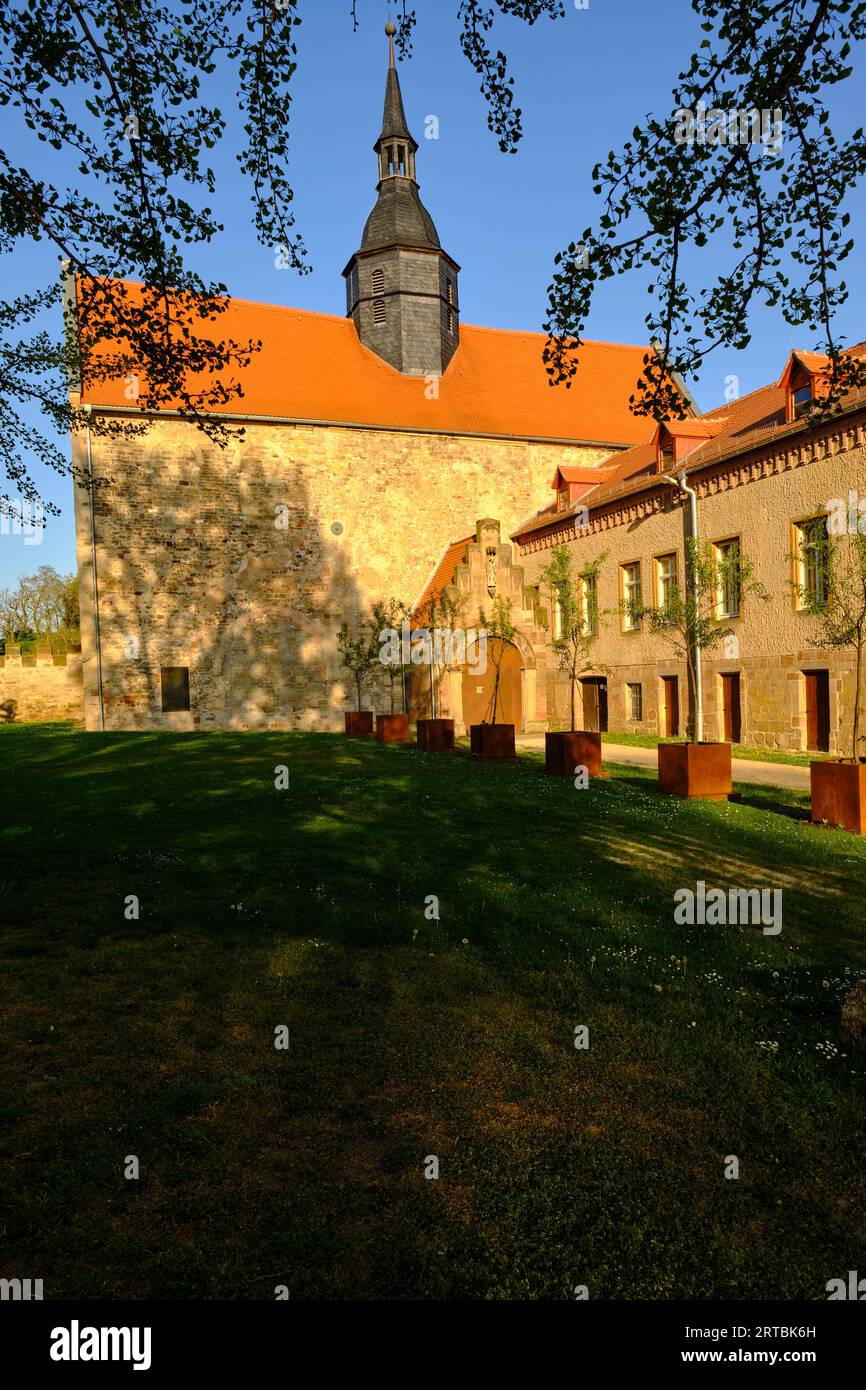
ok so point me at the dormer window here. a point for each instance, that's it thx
(562, 499)
(666, 455)
(801, 399)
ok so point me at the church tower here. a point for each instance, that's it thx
(401, 287)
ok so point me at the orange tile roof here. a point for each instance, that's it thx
(443, 575)
(313, 367)
(748, 422)
(579, 475)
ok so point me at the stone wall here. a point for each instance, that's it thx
(756, 497)
(241, 563)
(41, 688)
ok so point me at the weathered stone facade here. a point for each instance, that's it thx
(756, 496)
(41, 687)
(240, 564)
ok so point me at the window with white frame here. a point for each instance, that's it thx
(589, 604)
(631, 596)
(728, 581)
(666, 579)
(812, 561)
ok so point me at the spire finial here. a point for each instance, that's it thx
(390, 30)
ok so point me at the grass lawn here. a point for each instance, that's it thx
(738, 750)
(412, 1037)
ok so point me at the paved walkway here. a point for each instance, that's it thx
(744, 770)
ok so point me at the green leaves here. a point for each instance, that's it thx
(757, 160)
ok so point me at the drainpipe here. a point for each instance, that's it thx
(679, 481)
(87, 411)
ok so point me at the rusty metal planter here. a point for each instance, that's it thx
(696, 770)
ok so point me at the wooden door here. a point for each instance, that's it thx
(818, 710)
(731, 720)
(478, 689)
(670, 706)
(589, 693)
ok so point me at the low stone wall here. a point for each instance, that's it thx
(40, 687)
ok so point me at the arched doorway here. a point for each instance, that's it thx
(478, 689)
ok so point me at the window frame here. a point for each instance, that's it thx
(797, 560)
(657, 574)
(624, 566)
(719, 610)
(630, 688)
(584, 587)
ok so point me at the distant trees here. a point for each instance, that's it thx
(42, 609)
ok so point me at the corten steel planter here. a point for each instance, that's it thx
(492, 742)
(563, 752)
(435, 735)
(839, 794)
(359, 723)
(696, 770)
(392, 728)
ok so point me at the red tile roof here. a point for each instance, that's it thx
(443, 575)
(742, 424)
(313, 367)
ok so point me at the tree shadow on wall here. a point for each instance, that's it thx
(227, 571)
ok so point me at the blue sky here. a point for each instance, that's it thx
(582, 83)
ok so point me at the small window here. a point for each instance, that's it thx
(175, 688)
(634, 701)
(589, 605)
(378, 281)
(562, 499)
(666, 579)
(631, 596)
(401, 159)
(728, 581)
(378, 311)
(812, 561)
(801, 399)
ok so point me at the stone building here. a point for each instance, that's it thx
(213, 581)
(768, 480)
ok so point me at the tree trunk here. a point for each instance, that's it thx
(573, 684)
(693, 695)
(858, 672)
(358, 684)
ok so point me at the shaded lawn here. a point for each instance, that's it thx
(411, 1037)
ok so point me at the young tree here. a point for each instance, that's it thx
(444, 612)
(687, 618)
(500, 632)
(838, 603)
(359, 650)
(389, 615)
(579, 619)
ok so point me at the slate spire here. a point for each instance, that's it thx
(401, 287)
